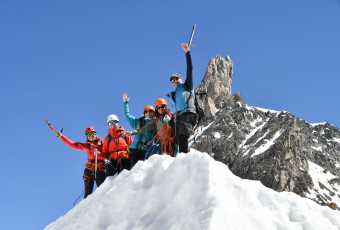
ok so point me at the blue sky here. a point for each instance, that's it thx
(70, 61)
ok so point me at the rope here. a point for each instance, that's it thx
(92, 174)
(167, 139)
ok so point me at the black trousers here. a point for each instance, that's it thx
(184, 125)
(136, 155)
(116, 166)
(89, 180)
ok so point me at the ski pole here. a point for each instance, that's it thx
(192, 34)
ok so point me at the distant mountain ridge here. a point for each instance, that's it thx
(282, 151)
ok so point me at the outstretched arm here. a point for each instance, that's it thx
(72, 144)
(144, 129)
(188, 81)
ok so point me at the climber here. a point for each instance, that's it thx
(94, 168)
(183, 104)
(163, 117)
(139, 146)
(116, 147)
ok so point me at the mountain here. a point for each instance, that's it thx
(282, 151)
(191, 191)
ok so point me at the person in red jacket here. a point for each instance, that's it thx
(115, 147)
(93, 148)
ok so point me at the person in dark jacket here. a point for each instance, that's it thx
(93, 148)
(183, 104)
(139, 146)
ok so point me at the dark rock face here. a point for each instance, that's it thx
(282, 151)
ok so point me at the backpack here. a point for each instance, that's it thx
(198, 105)
(109, 138)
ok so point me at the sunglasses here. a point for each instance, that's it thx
(148, 111)
(161, 107)
(113, 123)
(174, 79)
(91, 134)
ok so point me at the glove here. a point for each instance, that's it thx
(106, 161)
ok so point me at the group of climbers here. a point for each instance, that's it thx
(157, 131)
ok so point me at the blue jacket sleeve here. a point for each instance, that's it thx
(188, 81)
(128, 117)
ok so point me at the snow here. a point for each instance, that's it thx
(192, 191)
(217, 135)
(199, 131)
(267, 145)
(318, 148)
(267, 110)
(336, 139)
(319, 175)
(317, 124)
(251, 134)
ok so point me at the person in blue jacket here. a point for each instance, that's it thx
(183, 104)
(137, 148)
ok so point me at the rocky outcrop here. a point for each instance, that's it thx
(217, 84)
(282, 151)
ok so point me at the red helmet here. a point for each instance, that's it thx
(161, 101)
(89, 130)
(149, 107)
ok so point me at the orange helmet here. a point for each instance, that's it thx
(161, 101)
(149, 107)
(89, 130)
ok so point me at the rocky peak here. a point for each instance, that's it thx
(277, 148)
(217, 84)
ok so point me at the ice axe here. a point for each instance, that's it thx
(50, 125)
(192, 34)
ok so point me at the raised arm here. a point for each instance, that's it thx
(133, 121)
(188, 81)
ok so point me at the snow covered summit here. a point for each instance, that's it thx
(192, 191)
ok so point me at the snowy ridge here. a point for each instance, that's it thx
(322, 182)
(192, 191)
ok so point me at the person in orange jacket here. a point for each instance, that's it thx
(116, 147)
(93, 148)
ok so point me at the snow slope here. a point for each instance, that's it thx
(192, 191)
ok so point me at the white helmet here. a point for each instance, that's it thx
(112, 117)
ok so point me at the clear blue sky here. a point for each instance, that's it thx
(70, 61)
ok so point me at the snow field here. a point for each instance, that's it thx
(192, 191)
